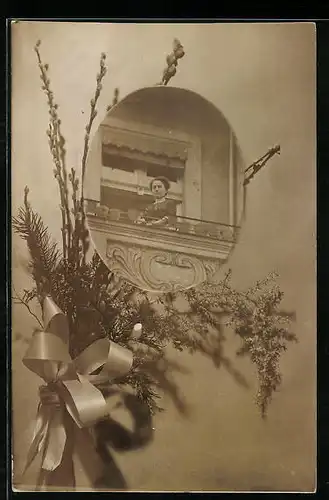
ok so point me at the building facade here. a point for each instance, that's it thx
(152, 135)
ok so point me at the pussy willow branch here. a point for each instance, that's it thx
(75, 188)
(115, 100)
(56, 144)
(92, 116)
(172, 62)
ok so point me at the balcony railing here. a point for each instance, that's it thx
(185, 225)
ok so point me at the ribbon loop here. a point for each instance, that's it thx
(93, 357)
(113, 359)
(84, 402)
(119, 361)
(46, 355)
(71, 385)
(54, 319)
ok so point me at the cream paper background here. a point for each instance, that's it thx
(262, 78)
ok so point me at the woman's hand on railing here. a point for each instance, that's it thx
(140, 220)
(158, 222)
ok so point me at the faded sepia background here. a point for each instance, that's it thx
(262, 78)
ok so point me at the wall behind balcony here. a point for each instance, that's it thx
(174, 111)
(262, 78)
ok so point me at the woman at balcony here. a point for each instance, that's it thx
(162, 211)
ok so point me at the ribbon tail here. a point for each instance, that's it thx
(42, 479)
(38, 440)
(84, 402)
(64, 475)
(89, 461)
(54, 447)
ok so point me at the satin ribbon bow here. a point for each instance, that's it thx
(71, 386)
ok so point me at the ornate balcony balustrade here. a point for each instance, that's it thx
(159, 258)
(184, 225)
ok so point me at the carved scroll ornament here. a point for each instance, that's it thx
(157, 270)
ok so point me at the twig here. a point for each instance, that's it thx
(56, 144)
(20, 300)
(172, 62)
(115, 100)
(92, 116)
(227, 277)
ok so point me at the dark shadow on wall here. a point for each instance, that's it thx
(110, 434)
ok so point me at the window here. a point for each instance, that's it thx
(152, 165)
(117, 161)
(123, 200)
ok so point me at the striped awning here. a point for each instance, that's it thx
(144, 143)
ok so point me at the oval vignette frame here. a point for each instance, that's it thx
(178, 134)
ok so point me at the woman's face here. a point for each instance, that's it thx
(158, 189)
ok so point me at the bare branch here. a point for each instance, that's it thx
(20, 300)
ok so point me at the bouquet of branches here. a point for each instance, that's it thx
(97, 305)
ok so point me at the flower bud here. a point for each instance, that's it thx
(171, 59)
(137, 331)
(179, 52)
(171, 70)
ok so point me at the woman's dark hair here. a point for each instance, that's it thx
(164, 180)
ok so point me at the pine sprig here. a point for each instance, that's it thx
(44, 253)
(145, 388)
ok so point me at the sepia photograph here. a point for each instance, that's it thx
(163, 256)
(164, 189)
